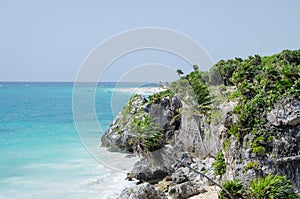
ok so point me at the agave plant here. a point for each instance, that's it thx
(236, 188)
(147, 135)
(276, 186)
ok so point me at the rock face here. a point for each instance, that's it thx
(163, 112)
(149, 170)
(118, 135)
(142, 191)
(185, 190)
(195, 141)
(283, 155)
(287, 113)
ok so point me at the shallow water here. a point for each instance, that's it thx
(41, 154)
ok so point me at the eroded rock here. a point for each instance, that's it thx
(142, 191)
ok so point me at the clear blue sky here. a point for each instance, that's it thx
(48, 40)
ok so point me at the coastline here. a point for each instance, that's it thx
(141, 90)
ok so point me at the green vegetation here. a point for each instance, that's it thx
(179, 72)
(157, 97)
(269, 187)
(272, 187)
(221, 72)
(200, 91)
(259, 150)
(219, 164)
(251, 165)
(260, 83)
(128, 107)
(148, 135)
(226, 144)
(235, 187)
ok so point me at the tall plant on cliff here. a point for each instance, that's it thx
(147, 136)
(194, 93)
(272, 187)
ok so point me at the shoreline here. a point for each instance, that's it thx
(141, 90)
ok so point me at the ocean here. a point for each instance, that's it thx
(41, 153)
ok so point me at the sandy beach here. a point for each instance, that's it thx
(141, 90)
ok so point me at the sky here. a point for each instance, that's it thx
(49, 40)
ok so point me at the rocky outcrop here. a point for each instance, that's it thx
(195, 140)
(119, 134)
(185, 190)
(142, 191)
(150, 170)
(287, 113)
(282, 155)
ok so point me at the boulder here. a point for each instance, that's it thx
(150, 170)
(185, 190)
(142, 191)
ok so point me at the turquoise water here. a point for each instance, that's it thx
(41, 155)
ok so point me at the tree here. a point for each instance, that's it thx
(196, 67)
(179, 72)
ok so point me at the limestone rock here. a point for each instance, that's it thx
(287, 113)
(147, 170)
(185, 190)
(142, 191)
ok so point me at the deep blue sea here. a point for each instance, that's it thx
(41, 154)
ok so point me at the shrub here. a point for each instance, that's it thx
(219, 164)
(157, 97)
(236, 188)
(251, 165)
(278, 187)
(147, 135)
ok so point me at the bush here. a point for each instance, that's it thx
(269, 187)
(236, 188)
(157, 97)
(219, 164)
(278, 187)
(147, 137)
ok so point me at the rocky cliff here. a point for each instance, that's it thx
(194, 135)
(185, 137)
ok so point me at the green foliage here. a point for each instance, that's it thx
(224, 70)
(157, 97)
(260, 82)
(269, 187)
(219, 164)
(179, 72)
(227, 144)
(196, 67)
(251, 165)
(278, 187)
(236, 188)
(234, 131)
(128, 107)
(259, 150)
(147, 135)
(234, 95)
(200, 90)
